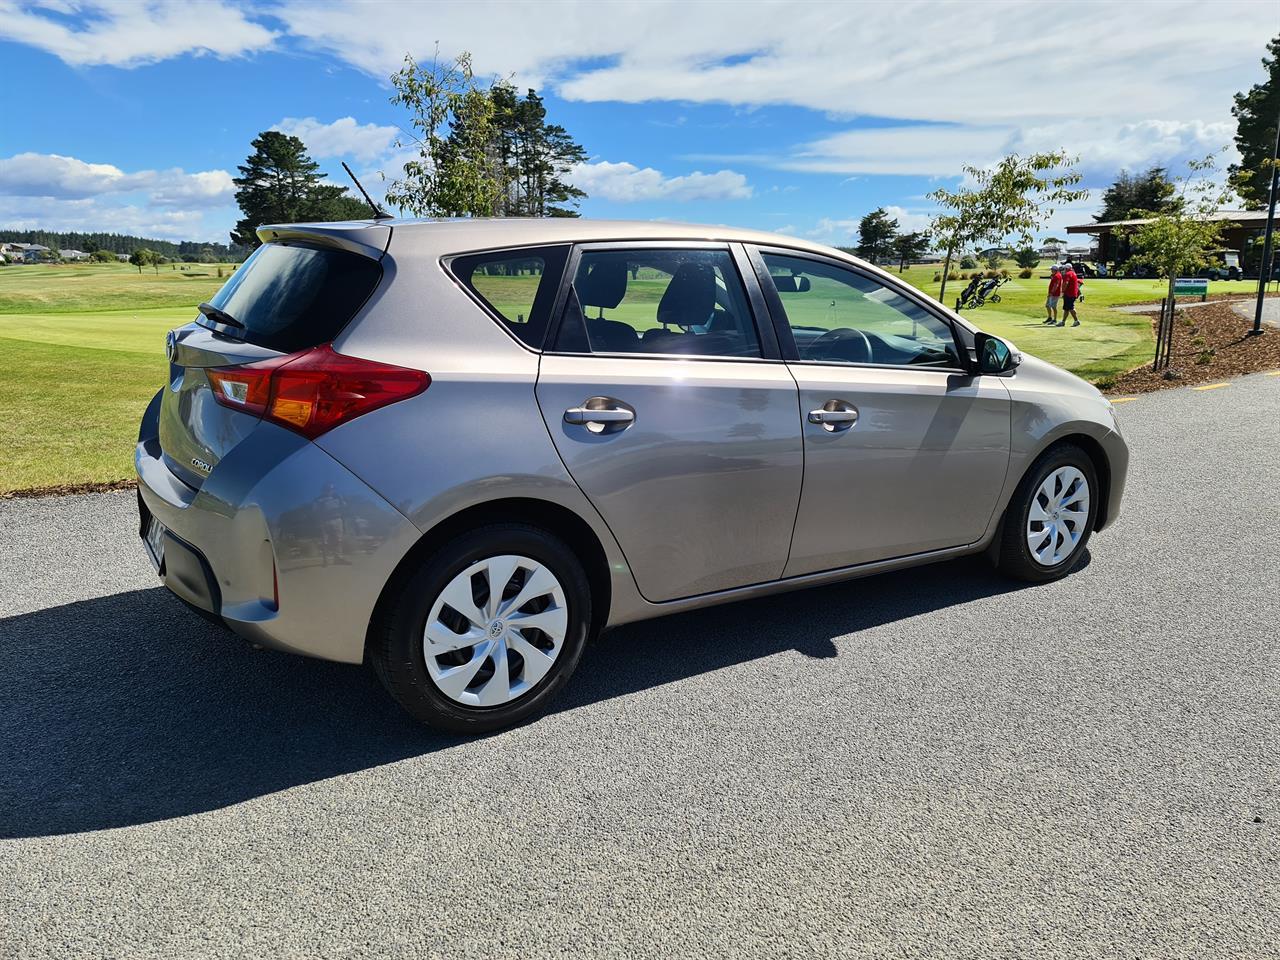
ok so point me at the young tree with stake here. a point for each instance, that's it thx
(1182, 238)
(1012, 198)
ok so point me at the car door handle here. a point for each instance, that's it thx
(583, 415)
(835, 415)
(601, 413)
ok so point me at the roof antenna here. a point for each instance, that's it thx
(378, 212)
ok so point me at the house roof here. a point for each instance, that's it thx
(1241, 217)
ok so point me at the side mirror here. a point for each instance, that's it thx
(994, 354)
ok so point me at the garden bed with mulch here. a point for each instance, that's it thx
(1210, 343)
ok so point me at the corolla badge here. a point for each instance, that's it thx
(170, 345)
(200, 465)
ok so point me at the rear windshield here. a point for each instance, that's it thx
(290, 297)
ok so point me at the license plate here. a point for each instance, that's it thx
(155, 542)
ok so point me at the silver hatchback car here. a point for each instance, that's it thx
(459, 450)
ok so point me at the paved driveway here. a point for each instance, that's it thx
(930, 763)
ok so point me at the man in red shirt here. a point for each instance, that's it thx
(1055, 291)
(1070, 290)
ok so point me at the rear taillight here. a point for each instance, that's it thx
(316, 390)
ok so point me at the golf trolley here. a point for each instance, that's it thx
(980, 291)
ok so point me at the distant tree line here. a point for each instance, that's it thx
(188, 250)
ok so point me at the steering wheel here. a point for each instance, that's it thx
(823, 347)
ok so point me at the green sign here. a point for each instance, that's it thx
(1190, 287)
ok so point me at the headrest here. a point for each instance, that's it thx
(690, 297)
(604, 285)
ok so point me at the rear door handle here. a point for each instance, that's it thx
(601, 413)
(583, 415)
(835, 415)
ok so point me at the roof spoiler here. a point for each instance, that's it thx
(370, 238)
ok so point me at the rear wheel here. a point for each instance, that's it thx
(1048, 522)
(487, 631)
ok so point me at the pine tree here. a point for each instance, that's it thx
(1256, 111)
(876, 232)
(280, 183)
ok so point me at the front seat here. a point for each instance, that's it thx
(690, 297)
(603, 287)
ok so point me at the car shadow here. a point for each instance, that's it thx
(129, 709)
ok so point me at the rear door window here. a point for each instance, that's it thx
(290, 297)
(517, 286)
(677, 302)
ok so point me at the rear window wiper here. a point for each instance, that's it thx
(219, 316)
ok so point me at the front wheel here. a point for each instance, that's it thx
(1048, 522)
(486, 631)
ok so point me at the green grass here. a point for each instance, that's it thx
(81, 350)
(72, 287)
(72, 388)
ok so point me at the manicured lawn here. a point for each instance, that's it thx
(81, 350)
(72, 388)
(44, 288)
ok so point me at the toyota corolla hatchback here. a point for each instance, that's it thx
(459, 450)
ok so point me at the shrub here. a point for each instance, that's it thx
(967, 262)
(953, 275)
(1206, 356)
(1026, 257)
(1026, 273)
(993, 274)
(1004, 272)
(937, 278)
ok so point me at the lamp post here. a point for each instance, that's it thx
(1264, 268)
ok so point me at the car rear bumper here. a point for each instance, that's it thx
(282, 543)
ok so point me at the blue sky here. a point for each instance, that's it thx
(799, 117)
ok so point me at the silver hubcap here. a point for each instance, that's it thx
(495, 631)
(1059, 512)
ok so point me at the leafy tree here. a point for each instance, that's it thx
(102, 256)
(1026, 257)
(1011, 198)
(453, 174)
(910, 246)
(875, 235)
(481, 152)
(280, 183)
(1150, 191)
(142, 257)
(1256, 112)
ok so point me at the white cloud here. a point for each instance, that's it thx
(1126, 68)
(909, 221)
(53, 192)
(627, 183)
(94, 214)
(129, 33)
(69, 178)
(343, 137)
(905, 59)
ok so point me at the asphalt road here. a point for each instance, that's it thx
(929, 763)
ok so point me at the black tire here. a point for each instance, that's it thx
(1013, 555)
(396, 648)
